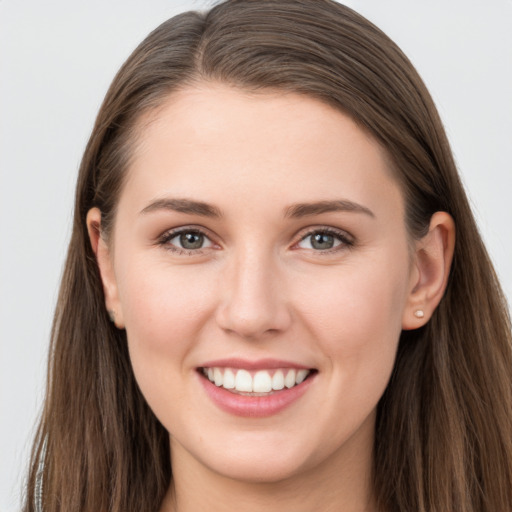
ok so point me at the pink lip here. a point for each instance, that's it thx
(260, 364)
(254, 406)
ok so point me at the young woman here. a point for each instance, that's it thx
(275, 295)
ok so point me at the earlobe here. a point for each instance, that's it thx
(432, 260)
(104, 261)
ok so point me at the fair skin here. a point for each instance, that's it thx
(270, 286)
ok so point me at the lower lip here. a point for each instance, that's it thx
(254, 406)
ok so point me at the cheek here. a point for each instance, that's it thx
(355, 313)
(161, 300)
(164, 309)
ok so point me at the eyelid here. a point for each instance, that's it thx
(167, 236)
(346, 239)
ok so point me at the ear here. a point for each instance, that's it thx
(105, 265)
(431, 267)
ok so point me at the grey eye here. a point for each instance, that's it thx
(190, 240)
(321, 241)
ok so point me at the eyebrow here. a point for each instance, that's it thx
(342, 205)
(183, 206)
(294, 211)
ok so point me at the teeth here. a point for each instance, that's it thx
(301, 375)
(218, 378)
(278, 380)
(289, 380)
(243, 381)
(261, 382)
(229, 379)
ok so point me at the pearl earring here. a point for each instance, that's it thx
(112, 316)
(419, 313)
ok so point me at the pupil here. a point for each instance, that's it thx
(191, 240)
(322, 241)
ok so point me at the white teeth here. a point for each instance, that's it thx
(301, 375)
(278, 380)
(261, 382)
(289, 380)
(243, 381)
(218, 377)
(229, 379)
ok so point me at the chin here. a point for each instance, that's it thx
(259, 472)
(265, 460)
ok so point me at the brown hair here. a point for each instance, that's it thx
(444, 425)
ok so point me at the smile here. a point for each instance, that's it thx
(255, 383)
(255, 389)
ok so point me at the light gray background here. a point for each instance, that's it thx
(57, 59)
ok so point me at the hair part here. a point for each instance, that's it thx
(444, 424)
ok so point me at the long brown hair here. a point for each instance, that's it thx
(444, 425)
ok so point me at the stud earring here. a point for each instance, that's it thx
(111, 315)
(419, 313)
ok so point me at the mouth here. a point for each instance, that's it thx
(255, 389)
(262, 382)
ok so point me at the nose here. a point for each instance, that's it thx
(253, 301)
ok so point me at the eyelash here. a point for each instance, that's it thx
(168, 236)
(346, 241)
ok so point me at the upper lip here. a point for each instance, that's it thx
(258, 364)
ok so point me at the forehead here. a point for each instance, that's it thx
(221, 142)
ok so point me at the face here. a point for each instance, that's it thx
(260, 265)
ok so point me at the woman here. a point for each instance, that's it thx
(275, 287)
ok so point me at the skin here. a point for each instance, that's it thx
(258, 288)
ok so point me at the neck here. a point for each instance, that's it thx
(340, 483)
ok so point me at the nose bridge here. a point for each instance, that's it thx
(253, 298)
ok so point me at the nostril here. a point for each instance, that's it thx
(255, 322)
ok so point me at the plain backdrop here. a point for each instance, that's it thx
(57, 59)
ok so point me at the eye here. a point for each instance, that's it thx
(186, 241)
(324, 240)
